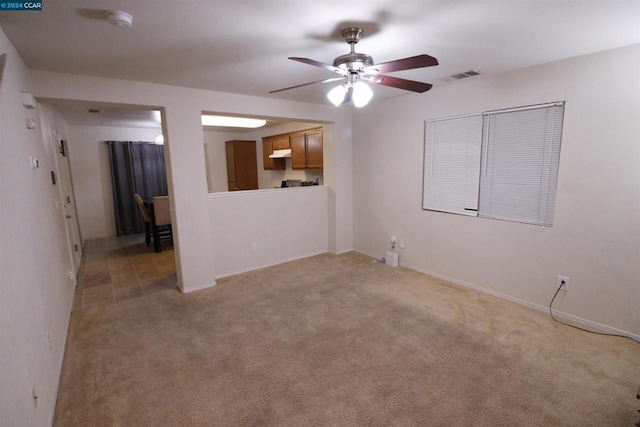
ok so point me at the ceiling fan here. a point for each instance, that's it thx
(356, 68)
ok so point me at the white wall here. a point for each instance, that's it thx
(91, 174)
(216, 158)
(595, 239)
(181, 109)
(35, 293)
(284, 224)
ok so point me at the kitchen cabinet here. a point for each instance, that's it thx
(280, 142)
(298, 151)
(242, 165)
(314, 150)
(306, 150)
(267, 150)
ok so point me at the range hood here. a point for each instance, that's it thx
(280, 154)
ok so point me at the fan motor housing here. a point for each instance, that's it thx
(353, 61)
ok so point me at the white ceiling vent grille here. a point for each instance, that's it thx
(460, 76)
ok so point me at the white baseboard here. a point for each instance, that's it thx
(599, 327)
(346, 251)
(270, 264)
(197, 287)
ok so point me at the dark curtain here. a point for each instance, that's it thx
(136, 167)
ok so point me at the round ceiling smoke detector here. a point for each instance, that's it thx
(119, 18)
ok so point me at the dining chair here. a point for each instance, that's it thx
(161, 221)
(146, 217)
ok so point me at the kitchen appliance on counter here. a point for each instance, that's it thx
(292, 183)
(298, 183)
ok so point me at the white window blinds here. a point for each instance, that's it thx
(500, 164)
(452, 164)
(521, 153)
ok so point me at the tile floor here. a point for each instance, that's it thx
(120, 268)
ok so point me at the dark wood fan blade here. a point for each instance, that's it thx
(400, 83)
(319, 64)
(307, 84)
(419, 61)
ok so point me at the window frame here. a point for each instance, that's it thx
(544, 142)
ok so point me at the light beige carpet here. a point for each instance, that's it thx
(337, 340)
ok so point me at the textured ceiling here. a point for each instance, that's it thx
(242, 46)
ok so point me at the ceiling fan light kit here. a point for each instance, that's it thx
(357, 68)
(337, 94)
(362, 94)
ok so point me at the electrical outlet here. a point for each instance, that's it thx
(34, 163)
(394, 241)
(401, 243)
(563, 283)
(254, 247)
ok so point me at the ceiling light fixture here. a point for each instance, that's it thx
(227, 121)
(337, 94)
(362, 94)
(353, 90)
(119, 18)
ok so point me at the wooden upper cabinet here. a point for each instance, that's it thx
(267, 150)
(242, 165)
(298, 151)
(314, 150)
(306, 150)
(280, 142)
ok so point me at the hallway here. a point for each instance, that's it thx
(120, 268)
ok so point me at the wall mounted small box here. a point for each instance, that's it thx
(28, 101)
(391, 259)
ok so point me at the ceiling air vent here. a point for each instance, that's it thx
(460, 76)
